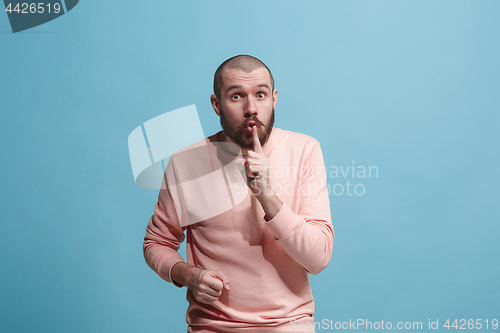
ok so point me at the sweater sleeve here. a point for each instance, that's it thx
(307, 237)
(163, 236)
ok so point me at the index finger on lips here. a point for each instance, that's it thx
(256, 143)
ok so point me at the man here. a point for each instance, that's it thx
(248, 264)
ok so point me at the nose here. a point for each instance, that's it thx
(250, 107)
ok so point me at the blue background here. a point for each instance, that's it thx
(411, 87)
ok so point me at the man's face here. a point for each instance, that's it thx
(246, 100)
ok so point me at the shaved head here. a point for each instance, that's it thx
(243, 62)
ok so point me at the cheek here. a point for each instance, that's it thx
(232, 118)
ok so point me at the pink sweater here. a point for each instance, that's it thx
(267, 261)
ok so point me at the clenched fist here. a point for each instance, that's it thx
(208, 285)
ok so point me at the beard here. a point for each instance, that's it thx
(239, 135)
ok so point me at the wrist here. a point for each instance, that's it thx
(266, 194)
(271, 204)
(185, 274)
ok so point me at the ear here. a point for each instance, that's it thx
(275, 98)
(215, 104)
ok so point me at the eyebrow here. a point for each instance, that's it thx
(262, 85)
(233, 87)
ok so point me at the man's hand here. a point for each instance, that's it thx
(257, 168)
(205, 285)
(208, 286)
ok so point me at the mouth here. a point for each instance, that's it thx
(250, 125)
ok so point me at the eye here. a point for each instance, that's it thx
(235, 96)
(261, 95)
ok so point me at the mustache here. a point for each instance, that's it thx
(249, 119)
(241, 127)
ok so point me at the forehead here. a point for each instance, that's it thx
(237, 77)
